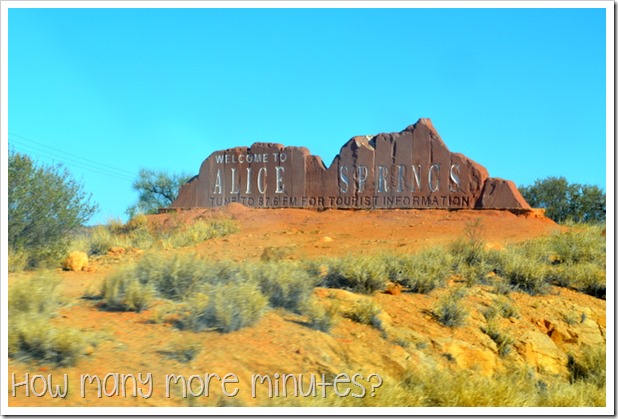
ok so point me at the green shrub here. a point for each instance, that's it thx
(37, 296)
(365, 312)
(501, 307)
(575, 259)
(470, 249)
(156, 189)
(566, 201)
(589, 366)
(18, 259)
(580, 244)
(33, 338)
(173, 277)
(501, 285)
(32, 303)
(364, 275)
(424, 271)
(320, 318)
(503, 341)
(123, 291)
(524, 273)
(138, 233)
(286, 284)
(101, 240)
(45, 206)
(471, 260)
(437, 387)
(226, 307)
(198, 231)
(183, 277)
(449, 311)
(585, 277)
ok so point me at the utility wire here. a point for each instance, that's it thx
(73, 156)
(79, 165)
(70, 162)
(65, 160)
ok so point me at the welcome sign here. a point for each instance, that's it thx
(409, 169)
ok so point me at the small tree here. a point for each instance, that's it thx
(566, 201)
(157, 189)
(45, 206)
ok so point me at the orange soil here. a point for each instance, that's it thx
(128, 343)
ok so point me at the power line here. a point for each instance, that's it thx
(66, 160)
(70, 155)
(79, 165)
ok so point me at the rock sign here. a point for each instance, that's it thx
(409, 169)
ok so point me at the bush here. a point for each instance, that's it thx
(580, 244)
(525, 274)
(33, 338)
(320, 318)
(366, 312)
(364, 275)
(501, 307)
(32, 303)
(285, 284)
(449, 311)
(157, 189)
(424, 271)
(101, 240)
(223, 295)
(45, 205)
(588, 278)
(197, 232)
(471, 260)
(226, 307)
(589, 366)
(123, 291)
(437, 387)
(566, 201)
(174, 277)
(138, 233)
(38, 295)
(504, 342)
(18, 260)
(574, 259)
(470, 249)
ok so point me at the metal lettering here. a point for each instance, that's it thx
(416, 178)
(234, 190)
(218, 186)
(362, 174)
(431, 178)
(343, 177)
(382, 172)
(261, 181)
(248, 190)
(401, 173)
(454, 178)
(279, 183)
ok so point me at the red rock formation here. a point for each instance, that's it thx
(408, 169)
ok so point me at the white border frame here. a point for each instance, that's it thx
(6, 5)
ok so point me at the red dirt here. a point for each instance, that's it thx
(129, 343)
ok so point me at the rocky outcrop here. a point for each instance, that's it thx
(409, 169)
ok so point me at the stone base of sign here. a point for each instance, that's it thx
(408, 169)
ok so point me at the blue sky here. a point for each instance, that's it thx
(110, 91)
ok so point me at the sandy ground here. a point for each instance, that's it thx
(129, 343)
